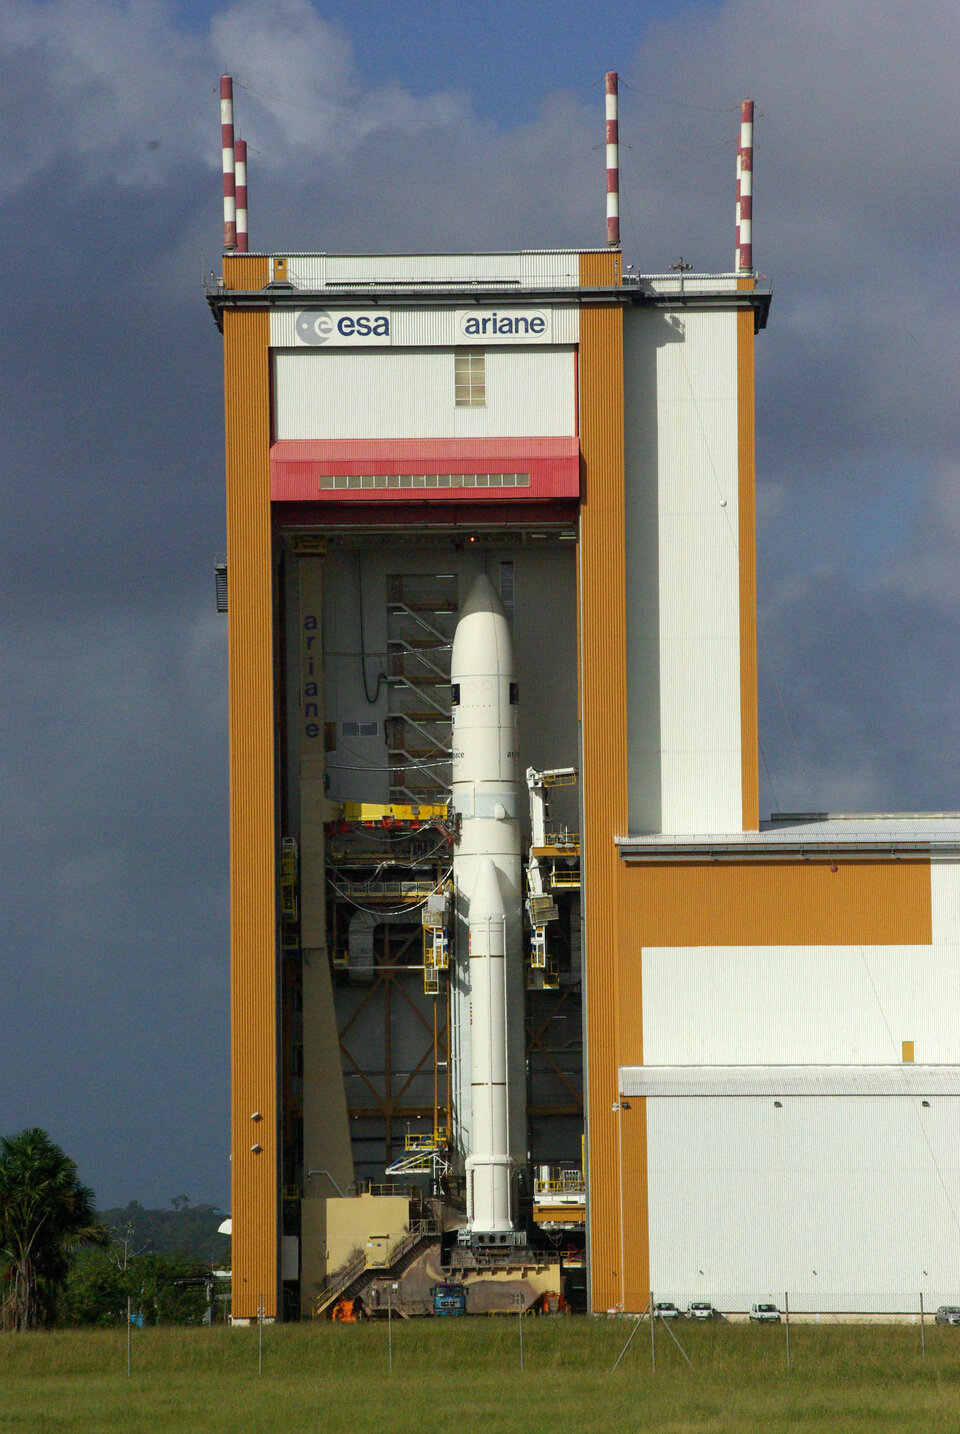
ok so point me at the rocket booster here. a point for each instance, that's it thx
(488, 1164)
(488, 993)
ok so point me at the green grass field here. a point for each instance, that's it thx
(457, 1376)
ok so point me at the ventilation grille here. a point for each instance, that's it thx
(343, 481)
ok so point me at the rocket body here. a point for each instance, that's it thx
(489, 1078)
(489, 1163)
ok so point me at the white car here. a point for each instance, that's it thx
(666, 1309)
(702, 1310)
(765, 1314)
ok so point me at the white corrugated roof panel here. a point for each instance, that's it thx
(530, 268)
(813, 1080)
(690, 283)
(853, 835)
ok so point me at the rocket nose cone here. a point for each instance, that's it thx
(487, 899)
(482, 597)
(482, 643)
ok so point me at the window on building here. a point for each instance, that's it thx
(469, 379)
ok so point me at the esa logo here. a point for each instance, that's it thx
(323, 326)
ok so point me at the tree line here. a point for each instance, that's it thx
(62, 1263)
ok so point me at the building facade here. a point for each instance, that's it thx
(749, 1030)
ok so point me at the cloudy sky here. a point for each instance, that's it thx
(422, 125)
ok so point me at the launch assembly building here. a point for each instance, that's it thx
(526, 998)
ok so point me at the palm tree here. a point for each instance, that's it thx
(45, 1213)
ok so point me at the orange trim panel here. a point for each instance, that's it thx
(803, 903)
(603, 685)
(252, 896)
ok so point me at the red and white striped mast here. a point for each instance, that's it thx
(744, 239)
(240, 164)
(613, 159)
(228, 162)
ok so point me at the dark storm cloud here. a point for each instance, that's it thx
(114, 760)
(858, 420)
(103, 346)
(113, 909)
(862, 691)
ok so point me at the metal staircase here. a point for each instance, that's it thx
(340, 1285)
(349, 1282)
(421, 618)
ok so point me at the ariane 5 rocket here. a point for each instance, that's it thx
(489, 1083)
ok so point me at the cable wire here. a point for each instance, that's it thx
(393, 767)
(409, 906)
(681, 104)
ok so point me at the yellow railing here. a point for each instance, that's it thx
(421, 1142)
(570, 1182)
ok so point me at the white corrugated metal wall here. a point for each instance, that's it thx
(851, 1202)
(683, 635)
(429, 325)
(409, 393)
(798, 1005)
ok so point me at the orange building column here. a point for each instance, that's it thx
(603, 703)
(254, 1139)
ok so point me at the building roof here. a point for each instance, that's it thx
(817, 835)
(544, 276)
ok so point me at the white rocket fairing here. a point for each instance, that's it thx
(488, 994)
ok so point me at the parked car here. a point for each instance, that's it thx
(948, 1314)
(765, 1314)
(666, 1309)
(703, 1310)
